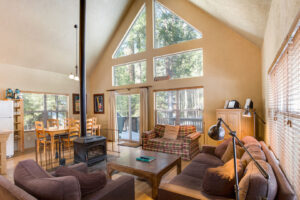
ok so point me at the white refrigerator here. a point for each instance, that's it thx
(7, 124)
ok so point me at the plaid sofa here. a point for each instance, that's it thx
(186, 145)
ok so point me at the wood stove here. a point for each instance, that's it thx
(90, 149)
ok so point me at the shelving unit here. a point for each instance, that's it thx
(19, 123)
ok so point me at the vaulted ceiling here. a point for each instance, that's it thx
(39, 34)
(247, 17)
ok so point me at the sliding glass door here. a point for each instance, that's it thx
(128, 117)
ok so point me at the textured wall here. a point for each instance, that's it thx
(282, 15)
(232, 64)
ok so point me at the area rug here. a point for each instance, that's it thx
(130, 144)
(102, 165)
(95, 167)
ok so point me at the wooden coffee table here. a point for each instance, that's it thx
(152, 171)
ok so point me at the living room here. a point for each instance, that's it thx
(155, 80)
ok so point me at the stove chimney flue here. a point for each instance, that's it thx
(82, 66)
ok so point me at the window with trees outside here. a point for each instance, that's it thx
(175, 107)
(170, 29)
(135, 39)
(131, 73)
(179, 107)
(180, 65)
(40, 107)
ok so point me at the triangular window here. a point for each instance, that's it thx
(170, 29)
(135, 38)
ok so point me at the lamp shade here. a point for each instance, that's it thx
(216, 132)
(247, 113)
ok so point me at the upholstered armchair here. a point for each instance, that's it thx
(186, 145)
(31, 181)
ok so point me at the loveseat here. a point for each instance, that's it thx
(188, 184)
(119, 189)
(186, 145)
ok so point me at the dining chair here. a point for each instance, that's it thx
(68, 122)
(96, 127)
(52, 123)
(42, 140)
(90, 126)
(74, 130)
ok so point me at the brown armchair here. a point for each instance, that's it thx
(119, 189)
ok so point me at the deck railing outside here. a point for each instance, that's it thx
(181, 117)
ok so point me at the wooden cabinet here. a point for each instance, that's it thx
(233, 117)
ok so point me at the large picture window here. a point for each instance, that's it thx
(135, 39)
(180, 65)
(170, 29)
(180, 107)
(40, 107)
(131, 73)
(284, 110)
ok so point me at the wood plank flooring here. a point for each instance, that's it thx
(142, 188)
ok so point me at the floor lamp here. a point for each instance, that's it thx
(217, 132)
(247, 113)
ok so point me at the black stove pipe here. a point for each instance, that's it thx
(82, 66)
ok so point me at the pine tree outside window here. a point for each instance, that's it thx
(135, 39)
(170, 29)
(131, 73)
(180, 65)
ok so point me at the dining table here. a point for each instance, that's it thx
(52, 132)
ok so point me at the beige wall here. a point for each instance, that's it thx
(282, 15)
(35, 80)
(232, 64)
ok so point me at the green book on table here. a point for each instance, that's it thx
(145, 158)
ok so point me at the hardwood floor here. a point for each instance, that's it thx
(142, 188)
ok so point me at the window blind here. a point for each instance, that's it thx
(284, 110)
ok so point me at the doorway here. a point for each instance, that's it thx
(128, 116)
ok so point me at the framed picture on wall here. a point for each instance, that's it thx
(76, 103)
(99, 103)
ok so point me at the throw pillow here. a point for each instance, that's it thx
(221, 148)
(256, 152)
(249, 139)
(220, 180)
(254, 185)
(89, 183)
(171, 132)
(229, 152)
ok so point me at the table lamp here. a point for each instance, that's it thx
(217, 132)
